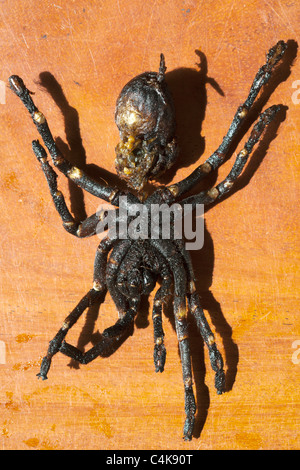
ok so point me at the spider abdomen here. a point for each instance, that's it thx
(137, 274)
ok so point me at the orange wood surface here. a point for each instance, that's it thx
(76, 56)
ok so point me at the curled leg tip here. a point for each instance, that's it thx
(17, 85)
(276, 52)
(38, 150)
(45, 366)
(220, 382)
(188, 429)
(280, 48)
(41, 376)
(269, 113)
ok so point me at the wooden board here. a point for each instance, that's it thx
(248, 275)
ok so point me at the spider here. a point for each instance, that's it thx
(130, 268)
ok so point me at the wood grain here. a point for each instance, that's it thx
(75, 57)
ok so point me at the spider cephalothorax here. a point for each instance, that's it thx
(129, 267)
(146, 121)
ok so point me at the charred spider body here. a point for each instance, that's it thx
(145, 117)
(146, 122)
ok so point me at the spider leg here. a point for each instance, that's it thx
(108, 271)
(100, 262)
(86, 228)
(54, 346)
(97, 292)
(217, 158)
(215, 357)
(180, 245)
(193, 298)
(189, 399)
(159, 353)
(208, 197)
(174, 259)
(113, 266)
(127, 313)
(109, 336)
(127, 309)
(112, 333)
(127, 306)
(105, 192)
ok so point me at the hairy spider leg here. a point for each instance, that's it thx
(159, 353)
(180, 245)
(86, 228)
(195, 308)
(100, 262)
(128, 307)
(215, 356)
(77, 175)
(58, 344)
(55, 344)
(218, 157)
(208, 197)
(96, 293)
(161, 296)
(169, 252)
(118, 253)
(109, 336)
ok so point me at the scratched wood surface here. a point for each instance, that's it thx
(75, 57)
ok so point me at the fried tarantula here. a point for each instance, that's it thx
(145, 118)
